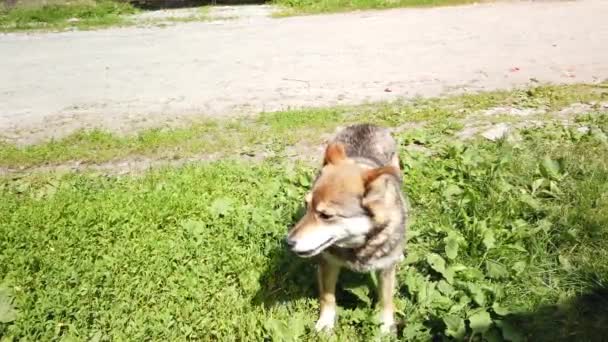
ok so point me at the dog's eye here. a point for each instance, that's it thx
(325, 216)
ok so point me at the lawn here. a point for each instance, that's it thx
(507, 240)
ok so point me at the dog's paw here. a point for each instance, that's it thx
(326, 321)
(387, 325)
(324, 326)
(387, 328)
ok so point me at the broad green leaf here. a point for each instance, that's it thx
(445, 288)
(530, 201)
(516, 247)
(411, 235)
(504, 186)
(449, 274)
(499, 310)
(356, 316)
(519, 267)
(522, 228)
(452, 190)
(463, 301)
(454, 326)
(8, 313)
(414, 332)
(96, 337)
(197, 228)
(297, 326)
(482, 225)
(361, 292)
(550, 168)
(459, 267)
(545, 225)
(488, 239)
(427, 293)
(496, 270)
(472, 274)
(554, 189)
(564, 261)
(451, 246)
(411, 258)
(221, 206)
(304, 180)
(278, 329)
(436, 262)
(438, 301)
(599, 136)
(477, 293)
(414, 281)
(537, 184)
(469, 155)
(480, 322)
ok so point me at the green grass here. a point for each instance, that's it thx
(196, 252)
(274, 131)
(507, 240)
(89, 14)
(295, 7)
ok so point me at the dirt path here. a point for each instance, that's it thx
(128, 78)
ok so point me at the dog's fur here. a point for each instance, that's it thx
(356, 216)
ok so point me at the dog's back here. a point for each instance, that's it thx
(369, 144)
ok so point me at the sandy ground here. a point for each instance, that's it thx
(125, 79)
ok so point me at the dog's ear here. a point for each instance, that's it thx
(371, 175)
(308, 198)
(334, 154)
(378, 194)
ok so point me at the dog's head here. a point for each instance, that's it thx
(337, 213)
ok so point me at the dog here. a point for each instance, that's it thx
(355, 217)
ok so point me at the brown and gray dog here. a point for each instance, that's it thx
(356, 217)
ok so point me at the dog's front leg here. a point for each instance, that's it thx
(386, 289)
(327, 279)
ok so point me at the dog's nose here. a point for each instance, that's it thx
(290, 242)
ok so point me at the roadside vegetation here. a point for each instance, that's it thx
(273, 133)
(297, 7)
(507, 239)
(58, 15)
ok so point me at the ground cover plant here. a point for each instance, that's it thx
(276, 130)
(88, 14)
(507, 242)
(294, 7)
(58, 15)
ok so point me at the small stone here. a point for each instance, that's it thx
(496, 132)
(511, 111)
(467, 133)
(575, 109)
(583, 129)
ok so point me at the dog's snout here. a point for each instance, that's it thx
(290, 242)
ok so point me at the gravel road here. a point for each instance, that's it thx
(124, 79)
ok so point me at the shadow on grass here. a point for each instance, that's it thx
(584, 318)
(288, 277)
